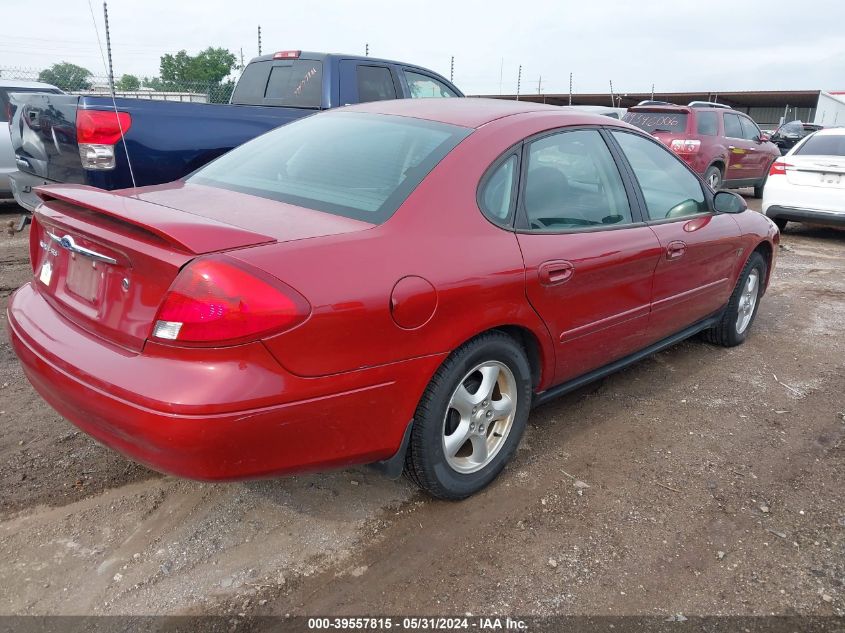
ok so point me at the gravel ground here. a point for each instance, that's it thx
(700, 481)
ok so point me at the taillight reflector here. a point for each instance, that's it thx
(685, 146)
(101, 127)
(214, 300)
(778, 168)
(287, 55)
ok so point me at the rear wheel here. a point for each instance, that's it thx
(758, 189)
(779, 222)
(713, 177)
(742, 306)
(470, 418)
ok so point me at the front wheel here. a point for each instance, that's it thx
(471, 417)
(742, 307)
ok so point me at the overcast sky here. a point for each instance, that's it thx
(714, 45)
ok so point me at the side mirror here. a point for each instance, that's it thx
(763, 138)
(729, 202)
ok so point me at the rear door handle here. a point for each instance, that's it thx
(676, 249)
(555, 272)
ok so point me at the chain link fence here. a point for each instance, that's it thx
(127, 86)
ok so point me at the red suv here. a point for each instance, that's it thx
(721, 144)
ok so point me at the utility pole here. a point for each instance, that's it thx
(108, 47)
(242, 57)
(612, 100)
(518, 81)
(570, 88)
(367, 49)
(501, 74)
(652, 92)
(259, 39)
(452, 70)
(540, 85)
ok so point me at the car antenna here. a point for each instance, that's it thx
(111, 83)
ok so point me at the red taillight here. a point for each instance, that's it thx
(287, 55)
(214, 300)
(778, 168)
(101, 127)
(685, 146)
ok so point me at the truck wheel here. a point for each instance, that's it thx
(742, 307)
(713, 177)
(780, 223)
(471, 417)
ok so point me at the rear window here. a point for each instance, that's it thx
(657, 121)
(296, 84)
(5, 109)
(823, 145)
(357, 165)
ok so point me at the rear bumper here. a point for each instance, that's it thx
(213, 414)
(813, 216)
(22, 184)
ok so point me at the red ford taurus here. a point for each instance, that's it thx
(397, 282)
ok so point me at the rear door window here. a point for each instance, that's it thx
(375, 83)
(707, 123)
(657, 121)
(733, 128)
(424, 87)
(572, 183)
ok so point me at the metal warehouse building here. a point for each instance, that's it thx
(768, 108)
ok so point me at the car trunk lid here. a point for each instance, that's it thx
(815, 171)
(105, 260)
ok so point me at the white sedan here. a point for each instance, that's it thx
(808, 183)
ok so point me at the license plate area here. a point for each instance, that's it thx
(830, 179)
(84, 278)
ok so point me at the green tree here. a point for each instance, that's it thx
(210, 66)
(128, 83)
(66, 76)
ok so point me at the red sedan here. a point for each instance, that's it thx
(397, 282)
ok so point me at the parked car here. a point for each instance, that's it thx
(378, 284)
(788, 134)
(808, 184)
(167, 140)
(724, 146)
(7, 154)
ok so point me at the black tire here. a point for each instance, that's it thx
(725, 332)
(425, 461)
(713, 177)
(758, 189)
(780, 223)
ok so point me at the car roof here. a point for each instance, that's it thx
(315, 56)
(471, 112)
(15, 83)
(830, 131)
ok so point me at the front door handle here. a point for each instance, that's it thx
(676, 249)
(555, 272)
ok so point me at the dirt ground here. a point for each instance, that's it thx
(702, 480)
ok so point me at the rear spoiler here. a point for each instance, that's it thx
(185, 231)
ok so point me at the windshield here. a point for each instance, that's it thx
(823, 145)
(357, 165)
(657, 121)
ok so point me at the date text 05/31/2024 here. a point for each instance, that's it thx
(419, 623)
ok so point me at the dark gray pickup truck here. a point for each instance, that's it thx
(77, 139)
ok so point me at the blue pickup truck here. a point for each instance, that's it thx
(77, 139)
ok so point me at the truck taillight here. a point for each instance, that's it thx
(286, 55)
(216, 301)
(97, 131)
(685, 146)
(778, 168)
